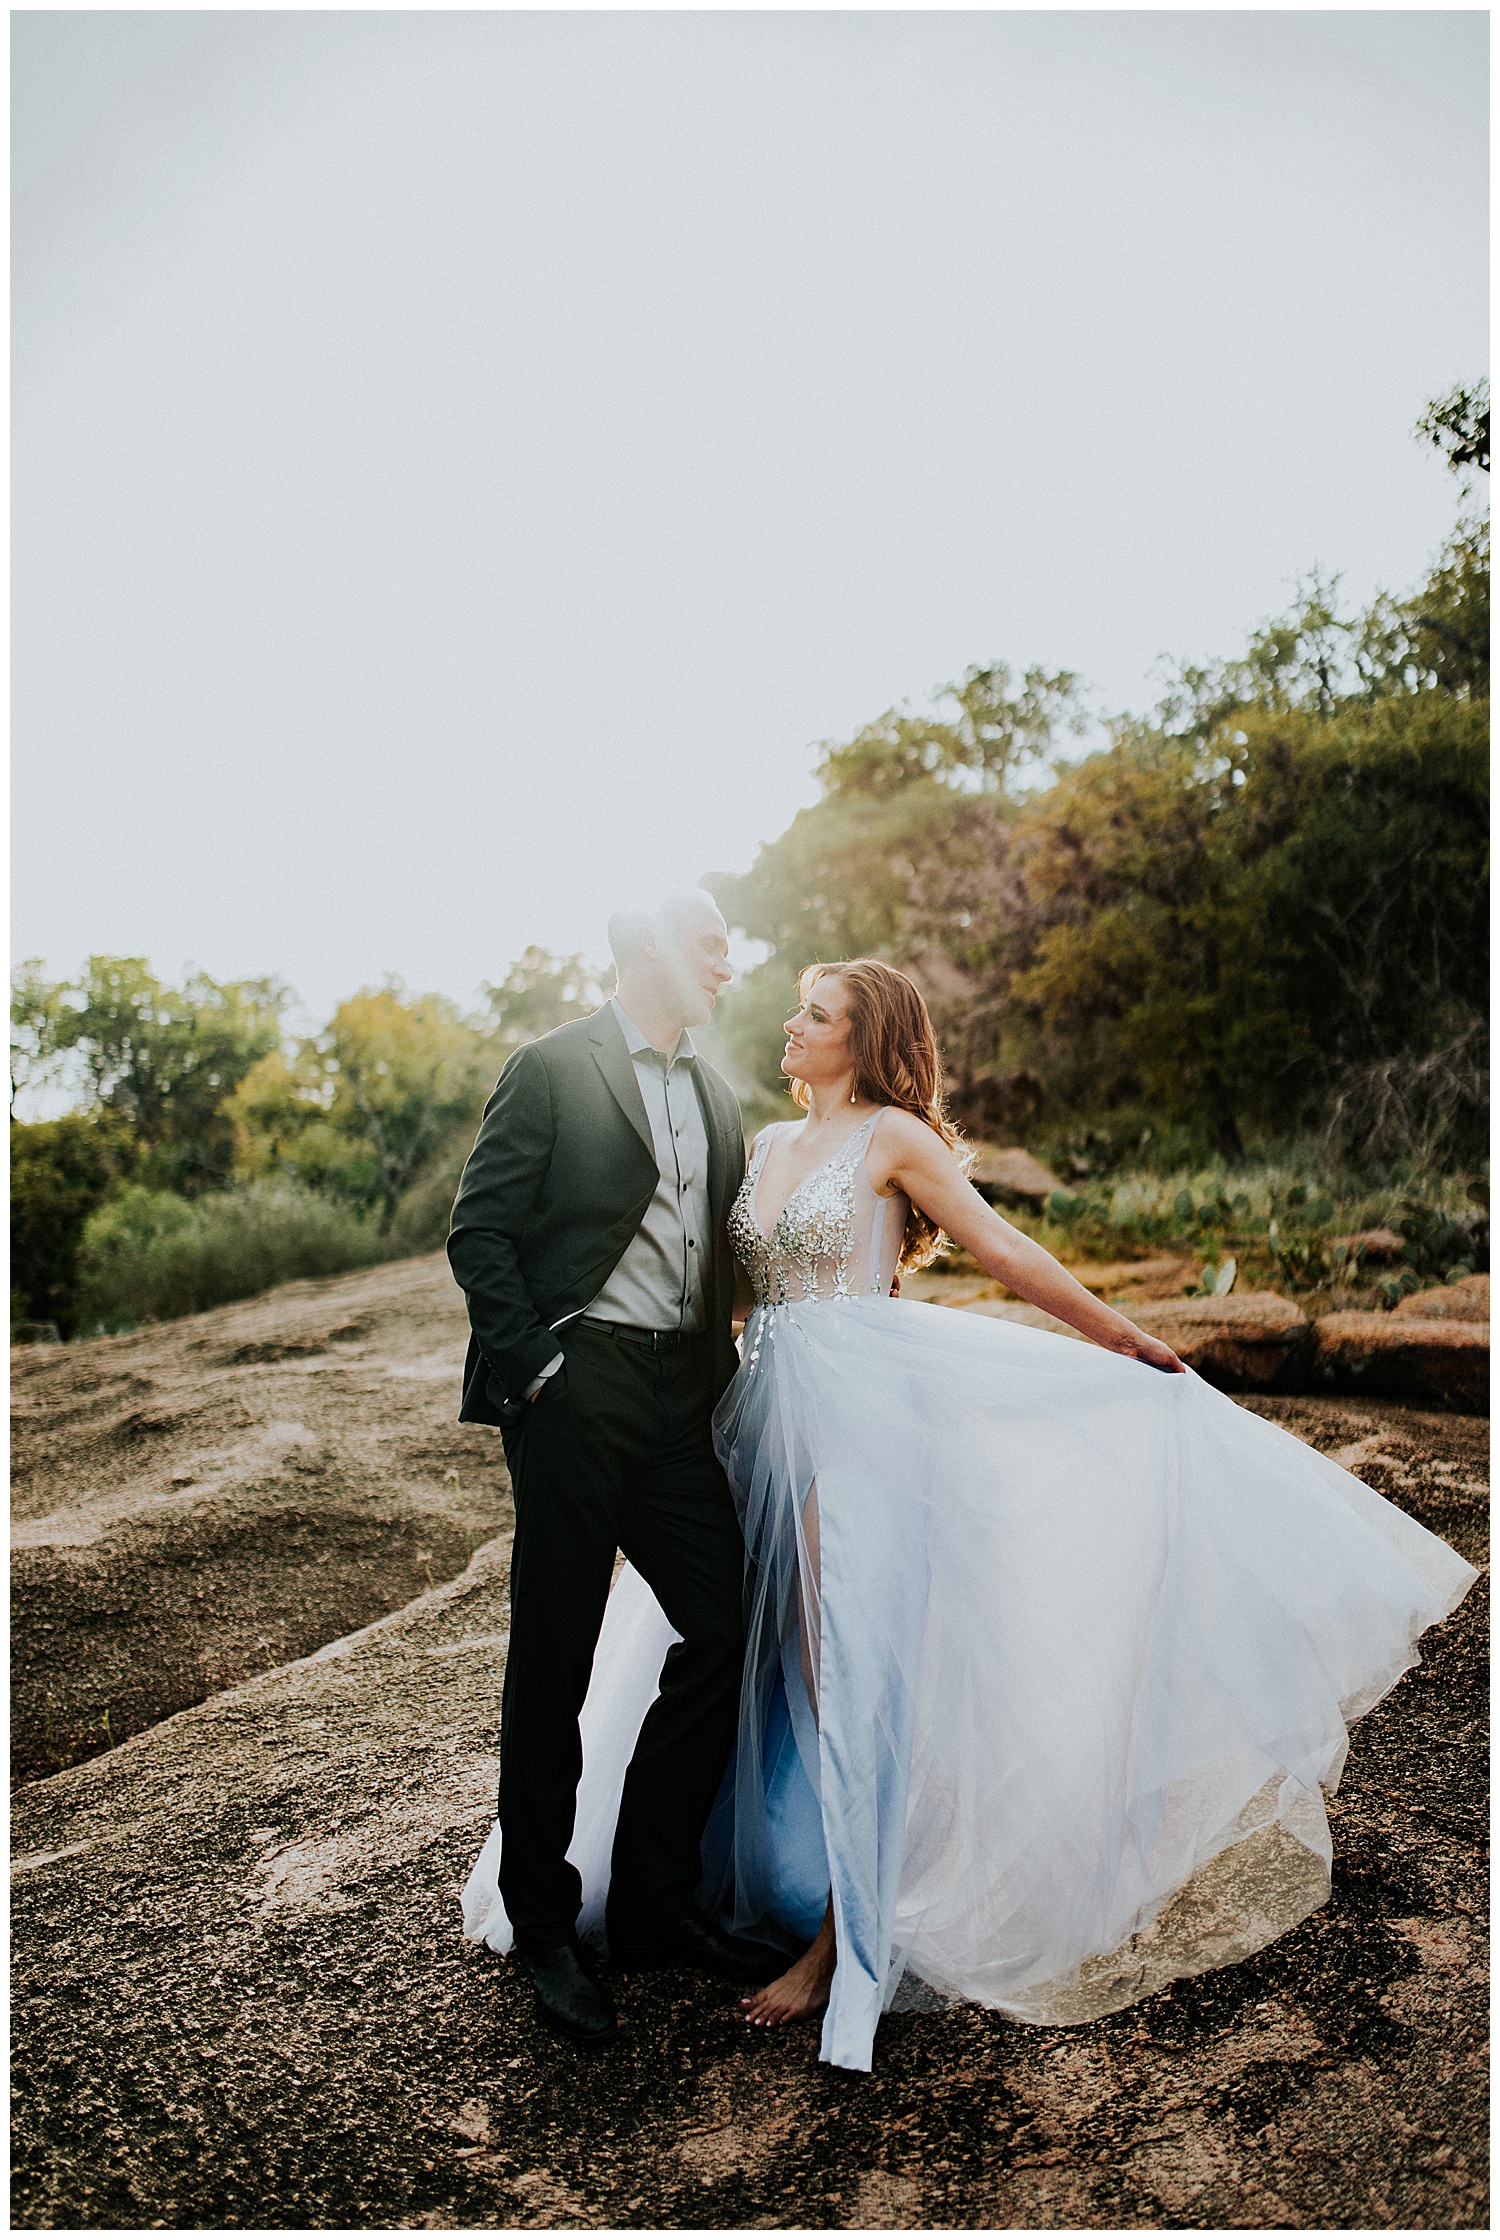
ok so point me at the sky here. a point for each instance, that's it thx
(464, 463)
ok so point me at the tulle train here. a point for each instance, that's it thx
(1051, 1660)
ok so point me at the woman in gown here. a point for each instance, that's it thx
(1051, 1656)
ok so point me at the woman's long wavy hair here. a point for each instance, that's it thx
(895, 1057)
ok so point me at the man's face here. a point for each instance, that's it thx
(695, 961)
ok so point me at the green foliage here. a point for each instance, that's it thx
(992, 736)
(1459, 424)
(420, 1222)
(1288, 1214)
(1278, 928)
(1214, 1281)
(161, 1061)
(1439, 1247)
(837, 884)
(39, 1024)
(1129, 1137)
(321, 1156)
(149, 1255)
(405, 1073)
(1257, 914)
(362, 1107)
(1441, 638)
(1308, 1261)
(61, 1171)
(538, 993)
(393, 1086)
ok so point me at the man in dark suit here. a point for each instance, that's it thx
(589, 1238)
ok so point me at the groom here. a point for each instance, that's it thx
(589, 1238)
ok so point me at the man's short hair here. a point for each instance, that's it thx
(660, 915)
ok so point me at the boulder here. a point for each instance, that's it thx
(1465, 1301)
(1379, 1246)
(1258, 1343)
(1013, 1174)
(1159, 1277)
(1405, 1357)
(1255, 1342)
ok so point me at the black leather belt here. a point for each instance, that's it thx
(654, 1341)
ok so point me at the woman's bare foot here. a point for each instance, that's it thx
(803, 1990)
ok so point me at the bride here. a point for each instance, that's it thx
(1050, 1656)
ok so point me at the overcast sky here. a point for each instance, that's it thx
(464, 462)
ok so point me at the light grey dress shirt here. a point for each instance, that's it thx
(661, 1280)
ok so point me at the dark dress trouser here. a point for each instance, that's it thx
(616, 1452)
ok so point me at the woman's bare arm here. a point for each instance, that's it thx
(907, 1155)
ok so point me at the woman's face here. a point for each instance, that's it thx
(817, 1034)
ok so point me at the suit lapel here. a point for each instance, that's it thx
(713, 1129)
(614, 1062)
(722, 1180)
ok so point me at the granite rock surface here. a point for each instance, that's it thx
(204, 1500)
(241, 1998)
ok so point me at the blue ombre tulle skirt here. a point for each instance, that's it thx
(1051, 1663)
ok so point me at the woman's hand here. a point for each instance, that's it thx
(907, 1154)
(1152, 1352)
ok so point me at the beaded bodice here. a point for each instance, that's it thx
(833, 1238)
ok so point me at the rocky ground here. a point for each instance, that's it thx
(207, 1499)
(241, 1999)
(1433, 1350)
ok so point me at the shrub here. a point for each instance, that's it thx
(61, 1173)
(420, 1222)
(149, 1255)
(1289, 1207)
(1437, 1249)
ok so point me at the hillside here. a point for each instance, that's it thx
(241, 1997)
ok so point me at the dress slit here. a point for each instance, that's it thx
(1050, 1658)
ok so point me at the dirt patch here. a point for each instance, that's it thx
(208, 1499)
(241, 1997)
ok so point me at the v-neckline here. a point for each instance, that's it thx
(766, 1235)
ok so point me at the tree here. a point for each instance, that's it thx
(38, 1028)
(838, 883)
(1459, 424)
(1236, 930)
(61, 1171)
(392, 1089)
(280, 1115)
(1449, 624)
(993, 736)
(407, 1071)
(897, 859)
(362, 1107)
(538, 993)
(1259, 907)
(161, 1061)
(1444, 633)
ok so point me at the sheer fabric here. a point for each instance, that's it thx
(833, 1238)
(1051, 1657)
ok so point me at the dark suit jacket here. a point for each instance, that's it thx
(557, 1184)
